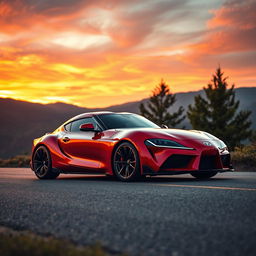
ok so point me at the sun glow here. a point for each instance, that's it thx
(5, 93)
(80, 41)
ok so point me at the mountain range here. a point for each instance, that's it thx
(23, 121)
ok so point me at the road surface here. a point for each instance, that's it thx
(160, 216)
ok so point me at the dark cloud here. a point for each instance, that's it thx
(134, 26)
(43, 6)
(237, 14)
(231, 30)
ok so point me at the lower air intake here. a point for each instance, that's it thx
(207, 162)
(226, 161)
(177, 162)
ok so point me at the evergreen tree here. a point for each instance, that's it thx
(253, 138)
(157, 107)
(217, 112)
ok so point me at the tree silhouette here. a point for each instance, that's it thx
(217, 112)
(157, 107)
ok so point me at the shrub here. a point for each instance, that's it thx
(17, 161)
(244, 158)
(13, 243)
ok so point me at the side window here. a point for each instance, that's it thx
(68, 127)
(76, 124)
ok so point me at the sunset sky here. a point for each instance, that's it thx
(96, 53)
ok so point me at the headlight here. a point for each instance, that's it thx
(207, 143)
(163, 143)
(219, 143)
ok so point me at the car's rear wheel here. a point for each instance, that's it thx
(42, 164)
(126, 162)
(203, 175)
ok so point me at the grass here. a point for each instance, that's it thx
(244, 158)
(17, 161)
(23, 243)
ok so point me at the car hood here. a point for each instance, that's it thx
(178, 134)
(189, 136)
(186, 134)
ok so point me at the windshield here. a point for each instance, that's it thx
(114, 121)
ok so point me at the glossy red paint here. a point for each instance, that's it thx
(92, 151)
(87, 127)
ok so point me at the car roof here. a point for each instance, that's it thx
(90, 114)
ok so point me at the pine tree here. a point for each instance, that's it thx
(253, 138)
(217, 112)
(157, 109)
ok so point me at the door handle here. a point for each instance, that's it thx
(66, 139)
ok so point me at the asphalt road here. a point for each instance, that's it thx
(175, 215)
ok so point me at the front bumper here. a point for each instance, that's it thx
(162, 161)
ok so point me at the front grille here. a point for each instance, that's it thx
(226, 161)
(207, 162)
(177, 162)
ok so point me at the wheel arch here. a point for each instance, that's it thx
(120, 142)
(34, 150)
(37, 146)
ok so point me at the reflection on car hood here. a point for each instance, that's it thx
(186, 134)
(174, 133)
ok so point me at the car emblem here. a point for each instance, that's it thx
(207, 143)
(222, 150)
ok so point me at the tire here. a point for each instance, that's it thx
(203, 175)
(126, 162)
(42, 164)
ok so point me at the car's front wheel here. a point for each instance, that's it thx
(42, 164)
(126, 162)
(203, 175)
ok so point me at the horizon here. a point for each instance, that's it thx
(97, 55)
(109, 106)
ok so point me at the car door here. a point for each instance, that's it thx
(81, 146)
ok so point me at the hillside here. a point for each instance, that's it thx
(22, 121)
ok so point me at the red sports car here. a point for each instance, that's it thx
(127, 146)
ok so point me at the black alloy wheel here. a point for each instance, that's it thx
(203, 174)
(126, 164)
(42, 164)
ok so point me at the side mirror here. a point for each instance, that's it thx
(87, 127)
